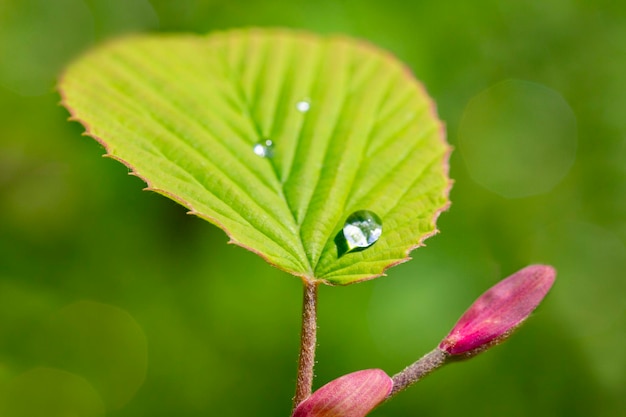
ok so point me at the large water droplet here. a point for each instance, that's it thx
(265, 149)
(362, 229)
(303, 106)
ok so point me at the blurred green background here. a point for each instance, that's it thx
(115, 302)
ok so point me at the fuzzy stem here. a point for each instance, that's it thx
(416, 371)
(306, 361)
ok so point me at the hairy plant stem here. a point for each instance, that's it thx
(306, 360)
(416, 371)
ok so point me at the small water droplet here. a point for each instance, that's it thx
(303, 106)
(264, 149)
(362, 229)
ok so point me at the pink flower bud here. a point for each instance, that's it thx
(499, 311)
(352, 395)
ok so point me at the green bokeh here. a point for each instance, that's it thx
(221, 326)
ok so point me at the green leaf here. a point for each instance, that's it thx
(184, 113)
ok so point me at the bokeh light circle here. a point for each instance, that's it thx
(518, 138)
(101, 342)
(52, 393)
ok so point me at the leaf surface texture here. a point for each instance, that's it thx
(351, 130)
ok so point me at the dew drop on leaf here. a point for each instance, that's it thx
(362, 229)
(303, 106)
(264, 149)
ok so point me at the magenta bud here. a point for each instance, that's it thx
(499, 311)
(352, 395)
